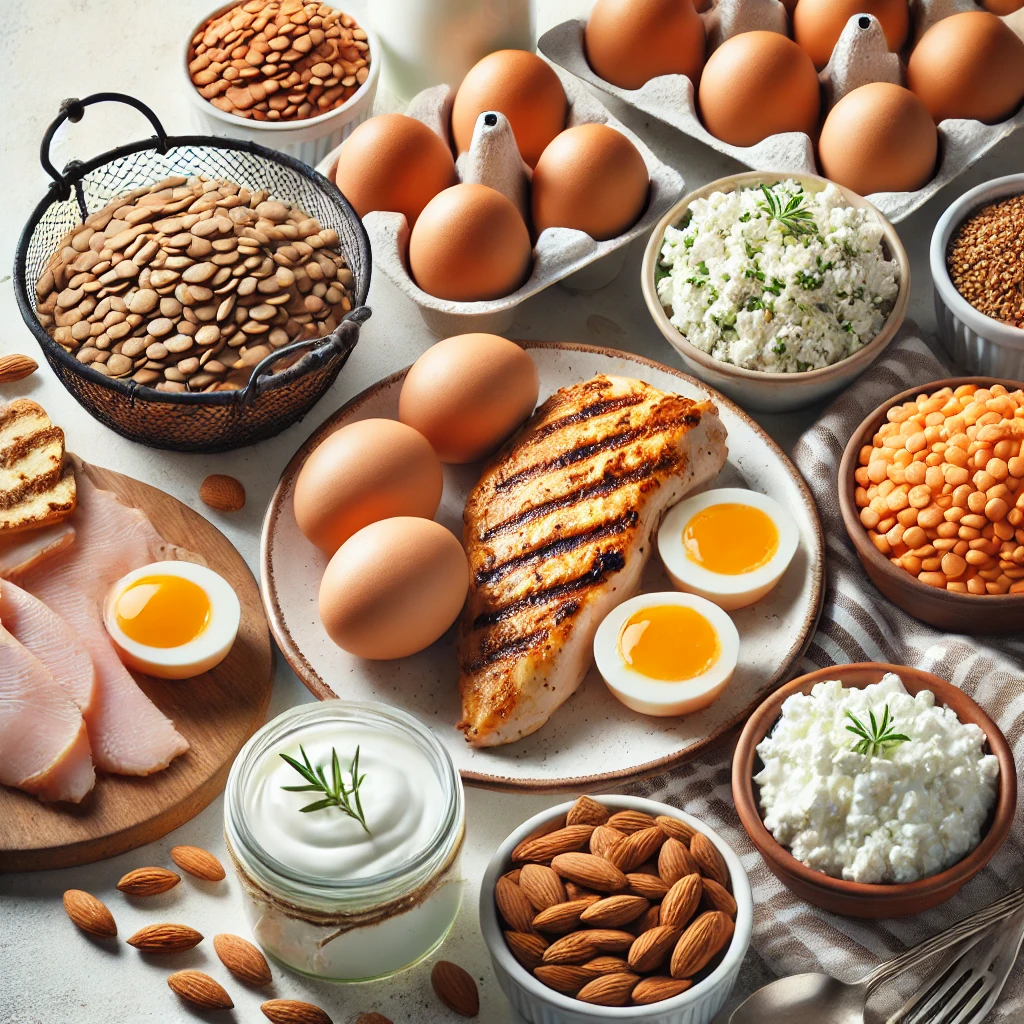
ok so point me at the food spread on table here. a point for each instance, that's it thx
(472, 537)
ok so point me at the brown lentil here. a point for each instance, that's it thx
(986, 260)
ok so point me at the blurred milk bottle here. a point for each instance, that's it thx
(427, 42)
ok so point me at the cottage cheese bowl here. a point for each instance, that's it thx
(882, 831)
(776, 289)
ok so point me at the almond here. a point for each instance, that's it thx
(292, 1011)
(222, 493)
(681, 901)
(610, 940)
(456, 988)
(513, 876)
(516, 910)
(587, 811)
(675, 862)
(89, 914)
(16, 367)
(541, 886)
(649, 920)
(372, 1018)
(717, 897)
(527, 947)
(565, 978)
(148, 881)
(651, 948)
(631, 821)
(200, 989)
(711, 863)
(701, 943)
(574, 948)
(593, 872)
(165, 938)
(604, 839)
(564, 840)
(654, 990)
(242, 959)
(609, 990)
(637, 848)
(614, 911)
(607, 965)
(562, 917)
(578, 892)
(675, 828)
(198, 862)
(549, 826)
(651, 887)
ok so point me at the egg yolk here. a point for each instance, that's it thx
(731, 539)
(163, 611)
(670, 643)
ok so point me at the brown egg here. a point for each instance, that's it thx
(758, 84)
(393, 162)
(591, 178)
(1002, 7)
(470, 244)
(879, 138)
(818, 24)
(467, 394)
(629, 42)
(368, 470)
(394, 588)
(522, 87)
(968, 65)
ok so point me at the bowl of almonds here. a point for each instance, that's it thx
(616, 908)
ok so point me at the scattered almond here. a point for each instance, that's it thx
(200, 990)
(543, 848)
(165, 938)
(614, 911)
(681, 901)
(607, 965)
(709, 860)
(701, 943)
(516, 910)
(651, 887)
(565, 978)
(542, 886)
(456, 988)
(609, 990)
(637, 848)
(675, 828)
(604, 839)
(242, 959)
(16, 367)
(222, 493)
(292, 1011)
(586, 869)
(562, 917)
(651, 948)
(654, 990)
(527, 947)
(587, 811)
(89, 914)
(631, 821)
(675, 862)
(717, 897)
(198, 862)
(148, 881)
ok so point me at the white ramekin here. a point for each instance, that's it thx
(309, 140)
(979, 344)
(539, 1004)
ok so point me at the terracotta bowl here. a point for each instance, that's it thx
(955, 613)
(856, 899)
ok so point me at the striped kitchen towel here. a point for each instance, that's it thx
(859, 624)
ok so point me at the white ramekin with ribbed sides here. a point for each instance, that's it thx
(980, 344)
(539, 1004)
(310, 139)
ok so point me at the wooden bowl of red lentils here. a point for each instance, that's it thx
(932, 495)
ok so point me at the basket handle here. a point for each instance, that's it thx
(73, 110)
(341, 340)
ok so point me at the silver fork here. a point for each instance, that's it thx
(968, 982)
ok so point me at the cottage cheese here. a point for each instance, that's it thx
(905, 814)
(742, 287)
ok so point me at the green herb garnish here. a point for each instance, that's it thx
(794, 216)
(336, 794)
(878, 737)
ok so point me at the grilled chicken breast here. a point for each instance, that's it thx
(558, 531)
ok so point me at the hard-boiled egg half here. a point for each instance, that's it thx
(728, 545)
(174, 620)
(667, 654)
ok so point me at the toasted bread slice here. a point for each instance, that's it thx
(37, 483)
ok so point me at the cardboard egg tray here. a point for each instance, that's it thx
(493, 159)
(861, 56)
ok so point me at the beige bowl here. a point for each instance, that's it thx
(756, 389)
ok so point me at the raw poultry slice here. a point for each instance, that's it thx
(558, 531)
(44, 746)
(129, 734)
(46, 635)
(20, 552)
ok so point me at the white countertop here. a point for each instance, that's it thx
(51, 973)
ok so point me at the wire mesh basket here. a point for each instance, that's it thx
(205, 421)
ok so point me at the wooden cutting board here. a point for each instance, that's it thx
(216, 712)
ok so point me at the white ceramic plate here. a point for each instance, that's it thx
(592, 740)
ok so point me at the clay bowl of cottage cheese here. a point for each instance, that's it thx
(874, 790)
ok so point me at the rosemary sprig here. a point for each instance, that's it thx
(794, 216)
(336, 793)
(877, 737)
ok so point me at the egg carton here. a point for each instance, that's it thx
(559, 254)
(860, 56)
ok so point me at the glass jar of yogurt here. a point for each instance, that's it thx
(326, 896)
